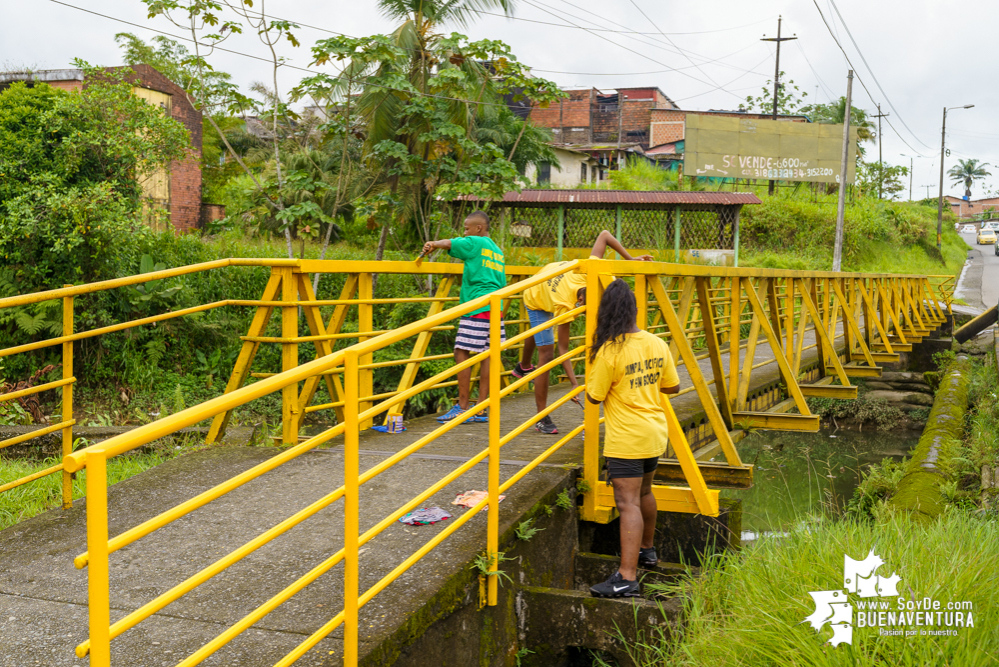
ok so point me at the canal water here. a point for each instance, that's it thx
(802, 474)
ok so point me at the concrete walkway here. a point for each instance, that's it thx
(43, 597)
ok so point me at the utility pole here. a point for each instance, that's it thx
(777, 39)
(943, 140)
(881, 164)
(910, 177)
(841, 202)
(928, 189)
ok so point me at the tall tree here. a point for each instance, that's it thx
(967, 172)
(789, 98)
(833, 112)
(431, 105)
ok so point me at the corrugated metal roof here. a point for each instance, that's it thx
(624, 197)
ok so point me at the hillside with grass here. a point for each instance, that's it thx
(796, 228)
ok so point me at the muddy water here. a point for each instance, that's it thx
(798, 474)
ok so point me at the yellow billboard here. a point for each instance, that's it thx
(727, 147)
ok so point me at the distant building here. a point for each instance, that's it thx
(607, 126)
(577, 168)
(176, 189)
(964, 208)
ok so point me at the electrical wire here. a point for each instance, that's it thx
(656, 43)
(689, 59)
(874, 76)
(623, 32)
(661, 71)
(266, 60)
(859, 78)
(825, 88)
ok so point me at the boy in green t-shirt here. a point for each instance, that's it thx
(484, 272)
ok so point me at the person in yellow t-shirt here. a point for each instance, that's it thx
(557, 296)
(628, 370)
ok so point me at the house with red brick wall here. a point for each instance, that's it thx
(667, 126)
(964, 208)
(177, 189)
(590, 116)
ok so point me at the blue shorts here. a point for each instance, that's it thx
(537, 318)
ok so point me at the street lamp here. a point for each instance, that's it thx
(943, 139)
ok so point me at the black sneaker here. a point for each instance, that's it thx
(546, 426)
(616, 587)
(647, 558)
(519, 371)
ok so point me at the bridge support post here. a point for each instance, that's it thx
(289, 357)
(495, 370)
(67, 398)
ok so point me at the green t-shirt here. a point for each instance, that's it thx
(485, 269)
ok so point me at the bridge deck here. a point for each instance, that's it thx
(44, 597)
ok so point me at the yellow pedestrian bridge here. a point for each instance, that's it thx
(751, 344)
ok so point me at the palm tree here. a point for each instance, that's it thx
(968, 171)
(417, 35)
(834, 112)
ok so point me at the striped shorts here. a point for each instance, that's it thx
(473, 334)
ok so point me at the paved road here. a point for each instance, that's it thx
(981, 283)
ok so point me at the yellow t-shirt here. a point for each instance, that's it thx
(557, 295)
(627, 376)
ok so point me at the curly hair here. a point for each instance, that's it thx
(616, 316)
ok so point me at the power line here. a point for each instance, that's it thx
(661, 71)
(874, 76)
(815, 2)
(657, 43)
(626, 48)
(818, 78)
(623, 32)
(271, 62)
(689, 59)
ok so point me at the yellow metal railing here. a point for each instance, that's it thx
(701, 311)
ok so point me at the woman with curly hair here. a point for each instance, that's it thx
(628, 370)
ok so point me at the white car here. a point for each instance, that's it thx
(969, 229)
(991, 224)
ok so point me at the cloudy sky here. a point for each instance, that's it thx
(925, 54)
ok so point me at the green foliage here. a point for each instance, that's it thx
(748, 606)
(879, 483)
(525, 530)
(522, 653)
(833, 114)
(563, 501)
(875, 177)
(789, 98)
(967, 172)
(582, 486)
(793, 232)
(70, 202)
(483, 562)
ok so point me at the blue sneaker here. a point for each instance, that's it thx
(453, 413)
(479, 417)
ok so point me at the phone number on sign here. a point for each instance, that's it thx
(787, 173)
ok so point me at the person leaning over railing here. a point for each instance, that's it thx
(556, 296)
(628, 369)
(484, 272)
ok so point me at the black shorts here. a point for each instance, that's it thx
(624, 468)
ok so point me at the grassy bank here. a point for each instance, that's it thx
(749, 608)
(794, 232)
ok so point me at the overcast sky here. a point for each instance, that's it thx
(926, 54)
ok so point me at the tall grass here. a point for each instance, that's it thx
(748, 608)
